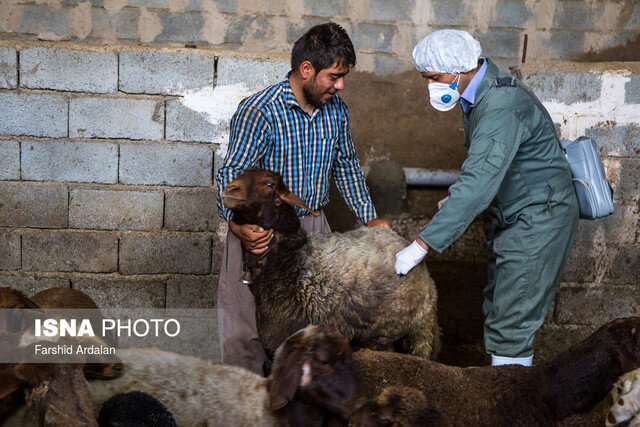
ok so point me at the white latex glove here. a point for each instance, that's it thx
(441, 202)
(409, 257)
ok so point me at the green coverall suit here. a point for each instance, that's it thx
(515, 172)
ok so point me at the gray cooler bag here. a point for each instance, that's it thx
(595, 196)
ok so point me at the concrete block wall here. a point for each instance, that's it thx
(107, 159)
(602, 278)
(383, 31)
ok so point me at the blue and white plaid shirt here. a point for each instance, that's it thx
(270, 130)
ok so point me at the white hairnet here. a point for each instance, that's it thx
(447, 51)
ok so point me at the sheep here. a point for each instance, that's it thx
(135, 408)
(399, 406)
(514, 395)
(13, 298)
(47, 384)
(626, 400)
(313, 378)
(344, 281)
(63, 298)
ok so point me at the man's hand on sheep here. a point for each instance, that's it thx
(252, 236)
(379, 222)
(411, 256)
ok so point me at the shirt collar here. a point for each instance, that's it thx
(288, 95)
(469, 94)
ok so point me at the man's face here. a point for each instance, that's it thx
(321, 87)
(433, 77)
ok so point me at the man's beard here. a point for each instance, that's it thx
(313, 96)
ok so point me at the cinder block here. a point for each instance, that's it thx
(165, 254)
(373, 37)
(325, 8)
(385, 65)
(451, 12)
(165, 72)
(391, 11)
(33, 114)
(616, 140)
(499, 43)
(632, 89)
(123, 23)
(223, 6)
(163, 164)
(40, 18)
(596, 304)
(115, 210)
(241, 30)
(510, 14)
(180, 27)
(192, 292)
(633, 23)
(71, 70)
(552, 340)
(628, 187)
(8, 68)
(70, 161)
(116, 118)
(70, 251)
(626, 266)
(185, 124)
(33, 205)
(568, 88)
(577, 15)
(565, 46)
(122, 292)
(9, 250)
(618, 228)
(581, 265)
(297, 29)
(9, 160)
(31, 285)
(253, 73)
(192, 211)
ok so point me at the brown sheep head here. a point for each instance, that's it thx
(316, 367)
(398, 406)
(625, 336)
(257, 195)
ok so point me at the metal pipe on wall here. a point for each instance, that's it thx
(430, 178)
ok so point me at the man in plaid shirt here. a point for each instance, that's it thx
(299, 128)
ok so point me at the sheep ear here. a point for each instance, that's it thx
(9, 382)
(283, 381)
(290, 198)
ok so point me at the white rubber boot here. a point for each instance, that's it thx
(501, 360)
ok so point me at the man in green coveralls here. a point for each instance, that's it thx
(517, 174)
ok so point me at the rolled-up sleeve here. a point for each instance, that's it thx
(494, 144)
(248, 142)
(348, 175)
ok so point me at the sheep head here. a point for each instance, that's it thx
(625, 333)
(314, 365)
(257, 196)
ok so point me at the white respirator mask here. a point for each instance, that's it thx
(443, 96)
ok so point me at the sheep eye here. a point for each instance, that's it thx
(324, 362)
(270, 184)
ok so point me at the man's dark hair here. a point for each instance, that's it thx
(323, 45)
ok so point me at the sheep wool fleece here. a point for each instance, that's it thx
(237, 330)
(517, 174)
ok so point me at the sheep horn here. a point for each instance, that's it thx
(294, 200)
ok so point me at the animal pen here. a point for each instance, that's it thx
(114, 119)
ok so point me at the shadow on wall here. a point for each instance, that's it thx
(630, 51)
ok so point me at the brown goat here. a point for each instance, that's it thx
(63, 298)
(13, 298)
(399, 407)
(344, 281)
(514, 395)
(313, 379)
